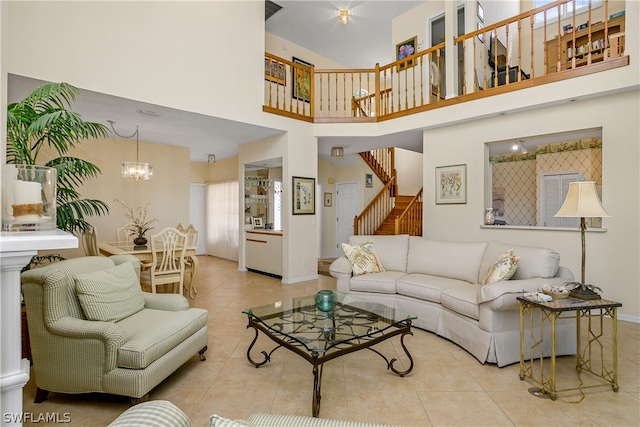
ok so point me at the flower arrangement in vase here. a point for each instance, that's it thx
(139, 224)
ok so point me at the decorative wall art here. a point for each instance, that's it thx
(368, 180)
(274, 71)
(404, 50)
(327, 200)
(301, 78)
(480, 12)
(451, 184)
(256, 222)
(304, 196)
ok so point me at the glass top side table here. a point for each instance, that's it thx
(591, 312)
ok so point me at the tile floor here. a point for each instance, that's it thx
(447, 387)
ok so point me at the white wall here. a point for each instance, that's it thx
(409, 168)
(612, 257)
(183, 55)
(299, 152)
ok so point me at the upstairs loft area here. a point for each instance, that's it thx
(527, 50)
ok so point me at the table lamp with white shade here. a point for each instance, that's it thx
(582, 202)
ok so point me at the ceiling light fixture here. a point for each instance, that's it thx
(134, 170)
(344, 16)
(519, 146)
(337, 152)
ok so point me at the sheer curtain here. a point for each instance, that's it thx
(222, 220)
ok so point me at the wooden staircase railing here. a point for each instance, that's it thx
(381, 162)
(410, 221)
(377, 210)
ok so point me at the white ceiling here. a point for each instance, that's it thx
(363, 42)
(311, 24)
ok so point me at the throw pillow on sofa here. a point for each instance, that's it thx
(502, 269)
(363, 258)
(110, 295)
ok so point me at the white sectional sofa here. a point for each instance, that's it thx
(439, 282)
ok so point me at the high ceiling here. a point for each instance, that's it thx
(363, 42)
(310, 24)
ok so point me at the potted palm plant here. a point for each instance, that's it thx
(43, 118)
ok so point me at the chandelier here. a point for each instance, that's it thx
(134, 170)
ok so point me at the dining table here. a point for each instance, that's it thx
(143, 253)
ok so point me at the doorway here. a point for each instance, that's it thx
(347, 208)
(436, 35)
(197, 209)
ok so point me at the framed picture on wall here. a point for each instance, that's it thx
(451, 184)
(304, 196)
(327, 200)
(301, 80)
(480, 12)
(405, 51)
(274, 71)
(368, 179)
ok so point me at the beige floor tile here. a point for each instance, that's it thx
(381, 405)
(463, 409)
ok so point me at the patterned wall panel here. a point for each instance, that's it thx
(516, 181)
(516, 177)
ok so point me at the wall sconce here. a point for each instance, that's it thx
(337, 152)
(344, 16)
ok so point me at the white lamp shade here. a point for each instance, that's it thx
(582, 201)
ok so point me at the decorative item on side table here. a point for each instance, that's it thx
(139, 224)
(582, 202)
(28, 198)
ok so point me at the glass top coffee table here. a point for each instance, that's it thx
(319, 333)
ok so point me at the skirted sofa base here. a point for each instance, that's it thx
(439, 282)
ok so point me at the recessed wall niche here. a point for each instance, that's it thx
(528, 177)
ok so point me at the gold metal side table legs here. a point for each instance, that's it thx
(590, 356)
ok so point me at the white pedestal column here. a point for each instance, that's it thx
(16, 250)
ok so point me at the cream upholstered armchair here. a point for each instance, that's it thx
(92, 329)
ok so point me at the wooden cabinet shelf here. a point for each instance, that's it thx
(582, 47)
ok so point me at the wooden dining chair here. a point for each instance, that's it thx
(167, 260)
(191, 262)
(90, 242)
(123, 234)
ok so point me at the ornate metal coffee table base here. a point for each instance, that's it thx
(319, 358)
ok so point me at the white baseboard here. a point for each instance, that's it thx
(628, 318)
(300, 279)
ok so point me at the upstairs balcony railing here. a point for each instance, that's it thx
(550, 43)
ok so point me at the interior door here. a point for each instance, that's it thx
(347, 208)
(197, 213)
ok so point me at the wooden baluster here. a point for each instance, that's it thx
(336, 74)
(607, 45)
(574, 51)
(321, 92)
(519, 50)
(589, 26)
(506, 66)
(532, 48)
